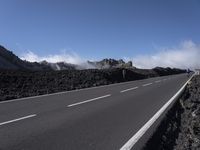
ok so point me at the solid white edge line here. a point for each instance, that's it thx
(129, 89)
(18, 119)
(133, 140)
(147, 84)
(89, 100)
(64, 92)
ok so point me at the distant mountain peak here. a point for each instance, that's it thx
(111, 63)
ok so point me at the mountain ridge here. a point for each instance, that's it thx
(10, 61)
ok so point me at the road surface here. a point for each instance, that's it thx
(102, 118)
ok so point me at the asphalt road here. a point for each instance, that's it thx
(102, 118)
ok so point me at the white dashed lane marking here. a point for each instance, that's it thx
(89, 100)
(18, 119)
(147, 84)
(126, 90)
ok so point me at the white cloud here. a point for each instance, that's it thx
(72, 58)
(186, 55)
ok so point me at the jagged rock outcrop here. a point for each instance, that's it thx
(111, 63)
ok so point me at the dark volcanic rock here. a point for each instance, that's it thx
(189, 136)
(17, 84)
(20, 78)
(167, 71)
(110, 63)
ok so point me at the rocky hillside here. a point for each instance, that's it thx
(189, 135)
(20, 78)
(9, 61)
(17, 84)
(111, 63)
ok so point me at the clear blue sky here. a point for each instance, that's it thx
(97, 28)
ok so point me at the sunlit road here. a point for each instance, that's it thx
(102, 118)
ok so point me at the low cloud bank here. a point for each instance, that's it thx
(72, 58)
(186, 55)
